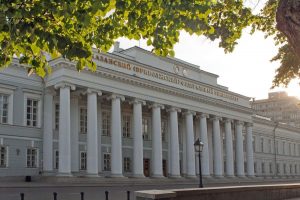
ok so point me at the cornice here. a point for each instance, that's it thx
(137, 81)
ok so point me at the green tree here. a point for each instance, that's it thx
(31, 28)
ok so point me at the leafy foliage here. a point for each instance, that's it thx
(31, 30)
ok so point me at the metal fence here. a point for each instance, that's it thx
(56, 196)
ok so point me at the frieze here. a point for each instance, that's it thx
(164, 77)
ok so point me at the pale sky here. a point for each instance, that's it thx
(247, 71)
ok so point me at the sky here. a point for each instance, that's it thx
(247, 70)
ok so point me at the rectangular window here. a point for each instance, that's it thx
(32, 113)
(106, 162)
(283, 148)
(278, 168)
(56, 159)
(3, 109)
(290, 149)
(3, 159)
(277, 147)
(294, 149)
(56, 116)
(270, 168)
(31, 158)
(83, 120)
(127, 164)
(253, 143)
(82, 160)
(291, 169)
(145, 128)
(262, 144)
(106, 123)
(126, 126)
(263, 170)
(270, 145)
(164, 127)
(255, 167)
(284, 168)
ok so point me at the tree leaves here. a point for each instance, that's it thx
(71, 28)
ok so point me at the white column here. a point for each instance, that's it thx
(249, 149)
(204, 139)
(116, 136)
(229, 149)
(92, 133)
(138, 165)
(48, 132)
(156, 141)
(174, 143)
(190, 149)
(217, 154)
(64, 143)
(74, 133)
(239, 151)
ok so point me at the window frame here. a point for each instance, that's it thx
(82, 160)
(127, 164)
(35, 160)
(83, 120)
(126, 125)
(106, 162)
(106, 123)
(9, 91)
(5, 165)
(36, 97)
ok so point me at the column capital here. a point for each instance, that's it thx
(64, 85)
(249, 124)
(228, 120)
(115, 96)
(202, 115)
(238, 122)
(137, 101)
(189, 112)
(50, 91)
(157, 105)
(173, 109)
(91, 90)
(215, 117)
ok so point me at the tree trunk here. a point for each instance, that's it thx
(288, 22)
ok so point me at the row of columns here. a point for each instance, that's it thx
(65, 139)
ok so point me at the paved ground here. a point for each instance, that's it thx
(96, 191)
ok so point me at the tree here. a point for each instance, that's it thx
(71, 28)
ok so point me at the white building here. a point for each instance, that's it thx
(137, 115)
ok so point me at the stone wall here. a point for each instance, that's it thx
(263, 192)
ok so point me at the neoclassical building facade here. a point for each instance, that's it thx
(137, 115)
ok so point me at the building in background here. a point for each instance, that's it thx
(280, 108)
(137, 115)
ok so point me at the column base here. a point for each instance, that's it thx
(116, 176)
(241, 176)
(230, 176)
(91, 175)
(191, 176)
(48, 173)
(251, 176)
(157, 176)
(62, 174)
(175, 176)
(138, 176)
(218, 176)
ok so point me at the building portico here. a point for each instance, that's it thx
(138, 115)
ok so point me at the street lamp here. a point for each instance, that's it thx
(198, 148)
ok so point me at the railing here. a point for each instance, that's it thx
(56, 196)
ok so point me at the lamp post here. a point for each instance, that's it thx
(198, 148)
